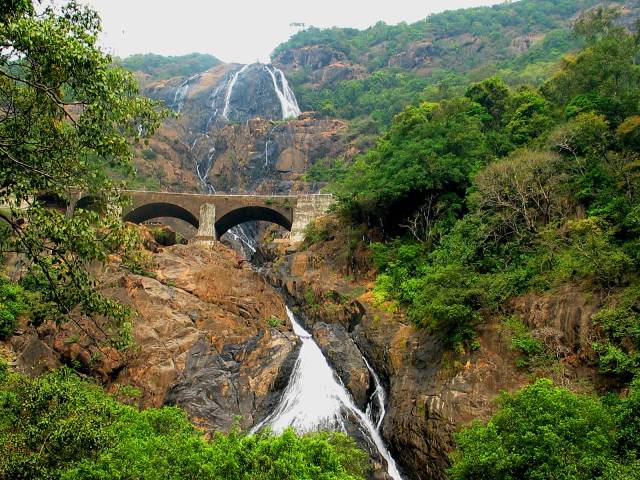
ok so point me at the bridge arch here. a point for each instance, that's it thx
(148, 211)
(248, 214)
(91, 202)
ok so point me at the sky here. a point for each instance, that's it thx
(243, 31)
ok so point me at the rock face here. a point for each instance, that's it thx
(324, 65)
(202, 341)
(561, 319)
(341, 351)
(431, 391)
(231, 134)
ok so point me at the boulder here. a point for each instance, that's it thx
(345, 358)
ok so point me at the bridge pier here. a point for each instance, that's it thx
(207, 230)
(308, 209)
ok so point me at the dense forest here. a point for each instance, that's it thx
(477, 198)
(425, 61)
(490, 176)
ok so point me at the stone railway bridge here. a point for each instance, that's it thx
(215, 214)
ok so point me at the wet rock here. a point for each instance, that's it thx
(431, 391)
(345, 358)
(242, 381)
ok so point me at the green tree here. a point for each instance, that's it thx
(606, 69)
(69, 116)
(61, 427)
(493, 94)
(428, 153)
(542, 432)
(517, 195)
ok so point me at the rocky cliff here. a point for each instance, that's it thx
(202, 339)
(238, 129)
(432, 390)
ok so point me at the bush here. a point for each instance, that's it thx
(587, 250)
(316, 232)
(60, 427)
(274, 322)
(13, 303)
(619, 350)
(543, 432)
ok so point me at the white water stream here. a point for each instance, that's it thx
(287, 99)
(181, 93)
(229, 92)
(315, 399)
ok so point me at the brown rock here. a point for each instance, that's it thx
(201, 337)
(346, 359)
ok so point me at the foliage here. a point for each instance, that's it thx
(161, 67)
(70, 115)
(14, 301)
(517, 195)
(586, 250)
(379, 96)
(326, 170)
(316, 232)
(61, 427)
(505, 190)
(619, 350)
(522, 341)
(274, 322)
(404, 64)
(544, 431)
(429, 151)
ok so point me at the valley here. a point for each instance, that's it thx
(407, 252)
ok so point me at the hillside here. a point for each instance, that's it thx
(154, 67)
(376, 72)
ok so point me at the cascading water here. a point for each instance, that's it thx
(227, 105)
(181, 93)
(267, 144)
(379, 396)
(229, 92)
(202, 169)
(288, 101)
(315, 399)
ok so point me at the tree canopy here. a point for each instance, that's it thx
(61, 427)
(68, 116)
(545, 431)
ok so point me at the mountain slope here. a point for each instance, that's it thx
(378, 71)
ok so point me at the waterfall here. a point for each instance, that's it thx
(246, 242)
(229, 92)
(287, 99)
(181, 93)
(204, 173)
(314, 399)
(378, 395)
(266, 153)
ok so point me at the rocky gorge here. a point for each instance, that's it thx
(431, 390)
(256, 141)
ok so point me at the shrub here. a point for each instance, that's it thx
(542, 432)
(619, 352)
(316, 232)
(587, 250)
(60, 427)
(13, 303)
(274, 322)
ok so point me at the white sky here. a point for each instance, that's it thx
(243, 31)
